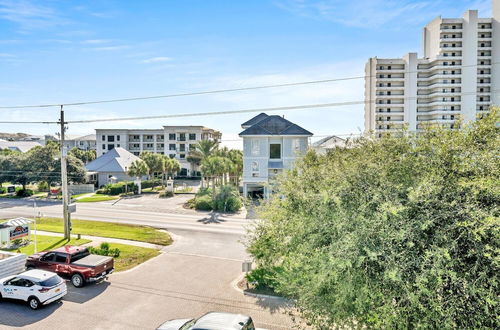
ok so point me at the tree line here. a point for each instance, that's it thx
(400, 232)
(39, 164)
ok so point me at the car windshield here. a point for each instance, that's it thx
(79, 255)
(52, 281)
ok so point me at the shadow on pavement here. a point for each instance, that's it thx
(213, 218)
(88, 292)
(16, 313)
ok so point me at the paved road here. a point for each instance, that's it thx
(189, 278)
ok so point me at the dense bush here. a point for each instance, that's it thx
(227, 199)
(263, 278)
(43, 186)
(3, 190)
(117, 188)
(150, 183)
(400, 232)
(104, 250)
(165, 194)
(24, 193)
(203, 203)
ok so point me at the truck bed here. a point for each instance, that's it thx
(92, 260)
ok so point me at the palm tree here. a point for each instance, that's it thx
(236, 157)
(211, 167)
(202, 150)
(138, 169)
(171, 166)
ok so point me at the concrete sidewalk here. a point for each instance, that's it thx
(96, 240)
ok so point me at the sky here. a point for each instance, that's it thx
(62, 51)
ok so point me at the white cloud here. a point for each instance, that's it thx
(157, 59)
(110, 48)
(375, 13)
(96, 41)
(30, 15)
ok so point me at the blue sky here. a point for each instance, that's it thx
(57, 51)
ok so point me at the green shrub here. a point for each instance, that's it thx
(150, 183)
(3, 190)
(104, 250)
(397, 232)
(227, 199)
(165, 194)
(204, 191)
(24, 192)
(263, 278)
(203, 203)
(43, 186)
(117, 188)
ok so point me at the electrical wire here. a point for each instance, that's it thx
(218, 91)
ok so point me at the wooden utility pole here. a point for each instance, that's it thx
(64, 180)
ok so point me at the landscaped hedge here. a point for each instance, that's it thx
(24, 193)
(203, 203)
(3, 190)
(116, 188)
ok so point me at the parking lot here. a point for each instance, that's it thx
(191, 277)
(181, 282)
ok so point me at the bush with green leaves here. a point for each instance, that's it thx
(263, 278)
(203, 203)
(166, 194)
(3, 190)
(395, 233)
(43, 186)
(105, 250)
(24, 193)
(227, 199)
(117, 188)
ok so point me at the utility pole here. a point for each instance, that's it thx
(64, 179)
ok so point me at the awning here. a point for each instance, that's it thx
(15, 222)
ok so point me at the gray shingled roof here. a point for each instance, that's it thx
(274, 125)
(254, 120)
(115, 160)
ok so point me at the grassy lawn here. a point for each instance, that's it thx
(107, 229)
(96, 198)
(131, 256)
(49, 243)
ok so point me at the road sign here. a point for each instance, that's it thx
(246, 266)
(72, 208)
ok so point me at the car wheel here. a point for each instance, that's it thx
(34, 303)
(77, 280)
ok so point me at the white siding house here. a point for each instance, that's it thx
(271, 144)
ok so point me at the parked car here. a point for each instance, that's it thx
(212, 321)
(36, 287)
(73, 262)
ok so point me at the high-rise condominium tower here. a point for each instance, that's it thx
(457, 78)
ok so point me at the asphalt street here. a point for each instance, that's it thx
(193, 276)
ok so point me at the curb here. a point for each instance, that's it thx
(234, 285)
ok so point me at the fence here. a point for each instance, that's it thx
(76, 189)
(11, 263)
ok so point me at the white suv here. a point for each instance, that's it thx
(36, 287)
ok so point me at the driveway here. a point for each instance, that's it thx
(191, 277)
(169, 286)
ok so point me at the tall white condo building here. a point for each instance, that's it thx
(457, 78)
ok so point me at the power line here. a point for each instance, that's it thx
(215, 113)
(218, 91)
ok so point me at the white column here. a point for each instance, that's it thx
(495, 54)
(410, 91)
(469, 65)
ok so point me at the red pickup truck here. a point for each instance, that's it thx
(73, 262)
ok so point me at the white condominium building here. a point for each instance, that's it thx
(457, 78)
(174, 141)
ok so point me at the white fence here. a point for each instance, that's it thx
(76, 189)
(11, 263)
